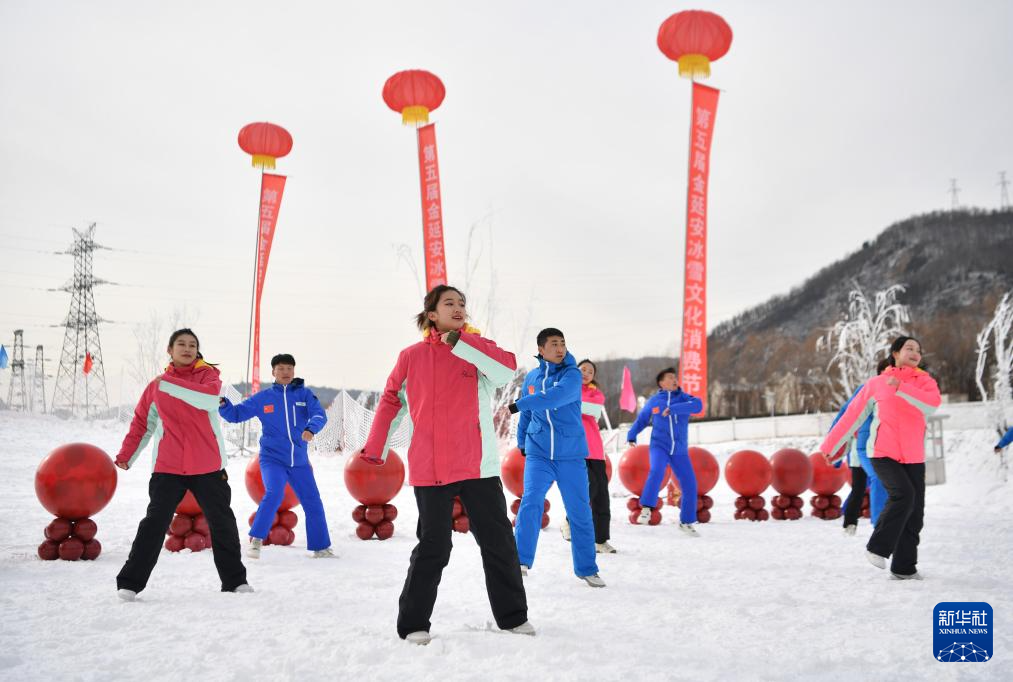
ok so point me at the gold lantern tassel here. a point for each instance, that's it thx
(263, 161)
(694, 66)
(414, 114)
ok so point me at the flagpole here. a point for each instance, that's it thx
(253, 299)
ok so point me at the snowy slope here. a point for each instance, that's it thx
(774, 600)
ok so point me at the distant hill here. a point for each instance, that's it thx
(955, 266)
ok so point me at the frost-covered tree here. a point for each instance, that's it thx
(863, 336)
(997, 336)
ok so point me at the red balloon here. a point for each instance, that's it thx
(747, 472)
(194, 542)
(546, 506)
(835, 501)
(287, 518)
(708, 501)
(741, 503)
(188, 505)
(359, 513)
(608, 467)
(181, 525)
(174, 543)
(207, 540)
(255, 486)
(511, 471)
(699, 505)
(458, 508)
(545, 520)
(633, 504)
(278, 535)
(71, 549)
(200, 525)
(58, 529)
(832, 513)
(820, 502)
(635, 465)
(756, 502)
(826, 479)
(385, 530)
(374, 514)
(85, 529)
(703, 516)
(762, 515)
(371, 483)
(75, 481)
(462, 524)
(655, 518)
(49, 550)
(792, 471)
(365, 530)
(792, 514)
(777, 513)
(818, 513)
(389, 513)
(705, 469)
(749, 514)
(634, 515)
(797, 502)
(514, 506)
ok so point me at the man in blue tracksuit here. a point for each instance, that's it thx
(551, 437)
(862, 473)
(290, 416)
(668, 411)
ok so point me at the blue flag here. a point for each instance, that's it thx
(3, 358)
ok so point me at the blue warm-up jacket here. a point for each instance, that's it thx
(550, 424)
(285, 412)
(668, 433)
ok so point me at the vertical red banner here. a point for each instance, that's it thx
(432, 208)
(693, 358)
(271, 189)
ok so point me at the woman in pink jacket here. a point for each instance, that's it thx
(443, 385)
(178, 415)
(899, 400)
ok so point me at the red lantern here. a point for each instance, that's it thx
(265, 142)
(413, 94)
(694, 38)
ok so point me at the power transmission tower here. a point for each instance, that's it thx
(37, 388)
(17, 397)
(1003, 191)
(954, 195)
(80, 388)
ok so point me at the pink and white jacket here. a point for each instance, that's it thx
(178, 415)
(446, 394)
(899, 412)
(592, 402)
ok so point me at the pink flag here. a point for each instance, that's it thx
(627, 399)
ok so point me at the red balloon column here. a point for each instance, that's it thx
(826, 482)
(74, 482)
(748, 473)
(793, 472)
(460, 516)
(189, 529)
(707, 472)
(634, 466)
(285, 520)
(374, 486)
(512, 473)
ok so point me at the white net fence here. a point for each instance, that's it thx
(348, 424)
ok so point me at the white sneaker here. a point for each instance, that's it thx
(604, 548)
(243, 589)
(126, 595)
(420, 637)
(253, 551)
(326, 553)
(850, 530)
(689, 529)
(645, 516)
(564, 528)
(593, 580)
(525, 628)
(524, 569)
(875, 559)
(900, 576)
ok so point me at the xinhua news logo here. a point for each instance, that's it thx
(962, 632)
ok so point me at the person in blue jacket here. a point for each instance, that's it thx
(290, 416)
(862, 474)
(1004, 441)
(668, 411)
(550, 435)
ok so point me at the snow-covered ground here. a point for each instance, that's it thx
(768, 601)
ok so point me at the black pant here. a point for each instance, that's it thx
(166, 490)
(598, 491)
(487, 516)
(853, 507)
(899, 524)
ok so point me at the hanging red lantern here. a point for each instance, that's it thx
(694, 38)
(413, 94)
(265, 142)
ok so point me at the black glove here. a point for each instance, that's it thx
(513, 408)
(522, 452)
(452, 338)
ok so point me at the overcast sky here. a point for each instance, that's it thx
(563, 137)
